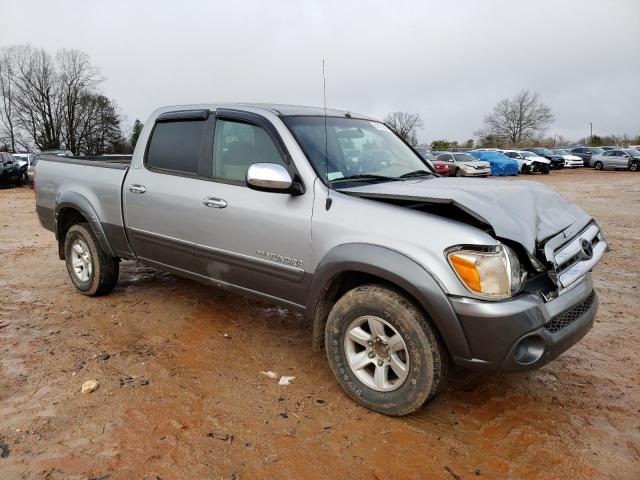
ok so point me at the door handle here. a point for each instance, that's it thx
(137, 189)
(214, 202)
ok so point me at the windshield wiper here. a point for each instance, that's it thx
(417, 173)
(366, 176)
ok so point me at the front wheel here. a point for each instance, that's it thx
(635, 166)
(383, 351)
(458, 172)
(598, 166)
(90, 268)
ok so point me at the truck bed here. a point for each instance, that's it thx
(92, 182)
(120, 162)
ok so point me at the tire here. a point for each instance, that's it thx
(422, 354)
(545, 170)
(458, 173)
(598, 166)
(635, 166)
(93, 271)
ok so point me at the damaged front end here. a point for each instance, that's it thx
(556, 246)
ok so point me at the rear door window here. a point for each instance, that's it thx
(176, 146)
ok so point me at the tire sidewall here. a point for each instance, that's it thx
(424, 368)
(83, 233)
(597, 165)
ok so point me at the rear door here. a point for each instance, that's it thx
(619, 159)
(163, 198)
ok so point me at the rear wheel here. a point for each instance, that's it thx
(598, 166)
(90, 268)
(383, 351)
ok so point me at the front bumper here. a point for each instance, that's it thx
(526, 332)
(472, 172)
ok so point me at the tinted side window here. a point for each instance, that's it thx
(176, 146)
(238, 145)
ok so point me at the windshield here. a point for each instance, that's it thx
(464, 157)
(633, 153)
(542, 151)
(353, 147)
(559, 151)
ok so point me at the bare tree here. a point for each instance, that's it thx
(405, 124)
(53, 103)
(77, 79)
(518, 119)
(7, 113)
(38, 104)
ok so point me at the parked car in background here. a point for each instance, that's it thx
(528, 162)
(442, 168)
(557, 161)
(585, 153)
(617, 159)
(634, 147)
(11, 172)
(24, 158)
(606, 148)
(500, 164)
(570, 160)
(465, 164)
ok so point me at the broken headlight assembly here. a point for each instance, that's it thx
(492, 272)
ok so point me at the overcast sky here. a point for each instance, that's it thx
(450, 61)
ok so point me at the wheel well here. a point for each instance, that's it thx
(340, 284)
(66, 218)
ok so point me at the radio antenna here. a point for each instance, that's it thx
(326, 138)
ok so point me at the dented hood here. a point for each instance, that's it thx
(525, 212)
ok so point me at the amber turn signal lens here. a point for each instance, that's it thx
(467, 271)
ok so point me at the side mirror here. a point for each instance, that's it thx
(269, 177)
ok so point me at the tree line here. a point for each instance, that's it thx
(518, 121)
(55, 102)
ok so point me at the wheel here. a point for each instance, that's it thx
(383, 350)
(634, 167)
(598, 166)
(458, 172)
(545, 170)
(90, 268)
(525, 170)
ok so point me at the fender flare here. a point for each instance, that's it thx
(395, 268)
(81, 204)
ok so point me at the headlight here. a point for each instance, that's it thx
(493, 273)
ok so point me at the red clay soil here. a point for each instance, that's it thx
(181, 394)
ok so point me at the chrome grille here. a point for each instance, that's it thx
(573, 259)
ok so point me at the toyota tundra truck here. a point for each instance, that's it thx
(401, 272)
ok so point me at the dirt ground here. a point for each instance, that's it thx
(181, 394)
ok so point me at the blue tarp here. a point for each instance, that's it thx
(501, 165)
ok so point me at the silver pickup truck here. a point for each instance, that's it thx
(400, 271)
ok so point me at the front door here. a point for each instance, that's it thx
(255, 240)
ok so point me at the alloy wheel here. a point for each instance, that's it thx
(377, 354)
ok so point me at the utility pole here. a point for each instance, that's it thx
(590, 133)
